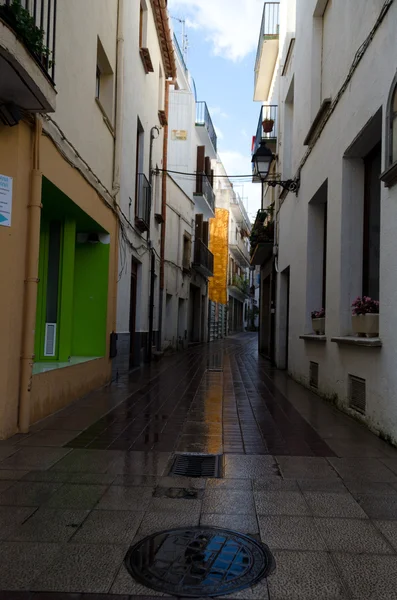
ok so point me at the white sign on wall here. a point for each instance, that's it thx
(5, 200)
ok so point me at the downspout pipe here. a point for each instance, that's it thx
(152, 257)
(163, 213)
(31, 283)
(119, 101)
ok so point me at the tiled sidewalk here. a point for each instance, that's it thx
(321, 490)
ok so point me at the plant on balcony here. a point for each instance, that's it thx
(261, 234)
(365, 317)
(267, 125)
(25, 27)
(318, 321)
(241, 283)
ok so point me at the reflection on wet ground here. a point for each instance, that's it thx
(211, 401)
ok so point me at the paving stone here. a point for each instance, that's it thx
(371, 469)
(290, 533)
(196, 483)
(109, 527)
(136, 480)
(11, 517)
(305, 576)
(352, 535)
(9, 475)
(322, 485)
(81, 568)
(355, 448)
(49, 525)
(124, 584)
(237, 502)
(174, 505)
(90, 461)
(279, 485)
(73, 495)
(160, 521)
(21, 563)
(4, 485)
(369, 576)
(281, 503)
(70, 477)
(377, 506)
(25, 493)
(258, 592)
(239, 466)
(246, 523)
(48, 438)
(358, 487)
(334, 505)
(30, 459)
(305, 467)
(117, 497)
(229, 484)
(141, 463)
(6, 451)
(389, 530)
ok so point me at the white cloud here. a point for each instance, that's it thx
(244, 133)
(219, 133)
(216, 110)
(236, 163)
(230, 25)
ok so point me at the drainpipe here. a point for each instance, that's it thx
(152, 257)
(163, 211)
(119, 101)
(31, 283)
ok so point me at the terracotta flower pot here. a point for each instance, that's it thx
(319, 326)
(267, 125)
(366, 325)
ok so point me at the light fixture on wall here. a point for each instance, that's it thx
(10, 114)
(262, 160)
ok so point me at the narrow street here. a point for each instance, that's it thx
(88, 482)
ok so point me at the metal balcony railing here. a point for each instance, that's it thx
(203, 258)
(203, 118)
(179, 52)
(39, 33)
(270, 27)
(143, 202)
(266, 116)
(204, 187)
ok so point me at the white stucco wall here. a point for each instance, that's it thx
(346, 25)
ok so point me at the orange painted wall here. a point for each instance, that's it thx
(54, 389)
(219, 246)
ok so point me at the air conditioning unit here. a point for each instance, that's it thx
(50, 339)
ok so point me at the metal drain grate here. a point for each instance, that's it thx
(199, 562)
(197, 465)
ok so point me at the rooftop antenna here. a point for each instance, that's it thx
(185, 41)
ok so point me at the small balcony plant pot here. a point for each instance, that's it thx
(319, 326)
(366, 325)
(267, 125)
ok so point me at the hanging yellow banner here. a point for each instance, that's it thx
(219, 246)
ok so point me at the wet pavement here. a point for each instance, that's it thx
(318, 488)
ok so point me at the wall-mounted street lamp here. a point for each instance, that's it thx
(262, 160)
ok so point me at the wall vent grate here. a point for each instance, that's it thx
(313, 374)
(357, 394)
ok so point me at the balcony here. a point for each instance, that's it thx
(266, 133)
(203, 119)
(240, 286)
(179, 54)
(240, 213)
(204, 196)
(143, 203)
(27, 55)
(267, 53)
(262, 238)
(203, 260)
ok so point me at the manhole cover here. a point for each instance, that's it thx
(196, 465)
(199, 562)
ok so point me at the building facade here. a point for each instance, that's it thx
(230, 287)
(70, 202)
(190, 204)
(325, 70)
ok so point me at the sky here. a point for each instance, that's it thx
(223, 39)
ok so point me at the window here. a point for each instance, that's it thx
(317, 250)
(142, 25)
(392, 110)
(104, 84)
(187, 251)
(371, 237)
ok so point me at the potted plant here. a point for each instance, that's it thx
(318, 321)
(365, 317)
(267, 125)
